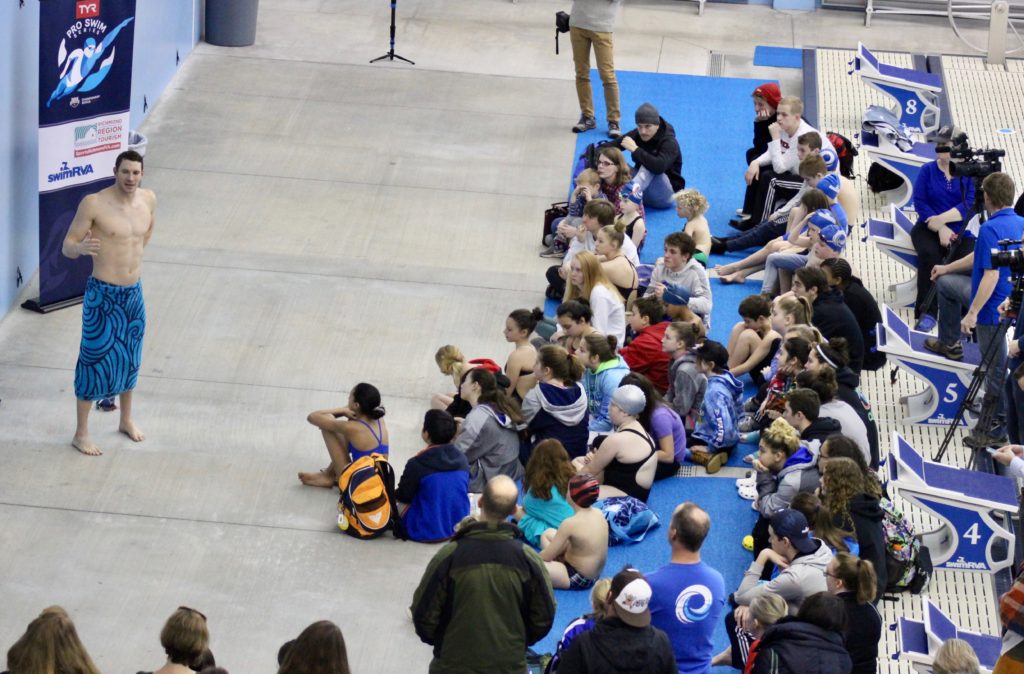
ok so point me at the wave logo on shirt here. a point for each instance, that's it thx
(693, 604)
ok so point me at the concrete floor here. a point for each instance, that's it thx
(322, 222)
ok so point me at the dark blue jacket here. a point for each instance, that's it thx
(435, 484)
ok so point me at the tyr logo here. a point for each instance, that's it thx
(85, 9)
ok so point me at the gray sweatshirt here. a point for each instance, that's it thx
(490, 442)
(596, 15)
(804, 576)
(570, 413)
(694, 277)
(686, 387)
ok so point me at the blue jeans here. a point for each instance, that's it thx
(954, 298)
(759, 235)
(777, 261)
(656, 187)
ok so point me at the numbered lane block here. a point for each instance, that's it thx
(892, 238)
(946, 381)
(975, 510)
(915, 94)
(905, 164)
(919, 641)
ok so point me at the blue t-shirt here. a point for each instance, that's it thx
(686, 603)
(1004, 224)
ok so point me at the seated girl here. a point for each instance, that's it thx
(686, 383)
(753, 342)
(619, 270)
(715, 434)
(557, 407)
(489, 436)
(544, 487)
(626, 461)
(604, 370)
(350, 433)
(632, 217)
(518, 326)
(452, 363)
(588, 281)
(820, 521)
(691, 205)
(663, 424)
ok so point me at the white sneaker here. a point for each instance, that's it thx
(749, 493)
(746, 481)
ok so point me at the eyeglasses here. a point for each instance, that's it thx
(192, 610)
(605, 162)
(942, 149)
(832, 575)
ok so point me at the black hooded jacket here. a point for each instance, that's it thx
(821, 428)
(834, 319)
(848, 382)
(660, 154)
(791, 646)
(866, 516)
(613, 647)
(865, 309)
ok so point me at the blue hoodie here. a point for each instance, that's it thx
(600, 385)
(720, 412)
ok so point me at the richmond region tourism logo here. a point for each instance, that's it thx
(91, 54)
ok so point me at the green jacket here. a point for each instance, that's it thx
(484, 598)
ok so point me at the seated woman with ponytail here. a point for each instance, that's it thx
(518, 326)
(616, 266)
(853, 508)
(833, 354)
(663, 424)
(588, 281)
(350, 433)
(557, 407)
(489, 435)
(853, 580)
(819, 519)
(604, 371)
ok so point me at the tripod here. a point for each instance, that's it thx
(391, 55)
(988, 411)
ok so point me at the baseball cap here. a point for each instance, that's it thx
(583, 489)
(630, 399)
(829, 185)
(631, 598)
(831, 158)
(834, 236)
(792, 524)
(632, 192)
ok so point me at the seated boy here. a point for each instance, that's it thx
(680, 279)
(576, 552)
(753, 342)
(432, 490)
(588, 185)
(644, 354)
(825, 238)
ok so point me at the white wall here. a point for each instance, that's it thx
(165, 31)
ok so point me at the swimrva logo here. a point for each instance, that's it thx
(962, 563)
(82, 69)
(686, 611)
(68, 172)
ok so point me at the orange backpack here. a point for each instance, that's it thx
(367, 505)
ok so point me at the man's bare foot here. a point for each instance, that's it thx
(316, 480)
(736, 277)
(85, 446)
(131, 430)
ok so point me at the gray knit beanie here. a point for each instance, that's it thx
(647, 114)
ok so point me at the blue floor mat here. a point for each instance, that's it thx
(731, 520)
(778, 57)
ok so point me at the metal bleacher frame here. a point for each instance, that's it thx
(981, 99)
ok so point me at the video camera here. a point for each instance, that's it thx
(972, 163)
(1013, 259)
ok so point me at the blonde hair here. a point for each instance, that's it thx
(956, 656)
(598, 594)
(616, 233)
(797, 307)
(781, 437)
(795, 105)
(593, 276)
(451, 362)
(588, 177)
(768, 608)
(804, 331)
(693, 201)
(50, 645)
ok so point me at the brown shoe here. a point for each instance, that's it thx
(953, 351)
(712, 462)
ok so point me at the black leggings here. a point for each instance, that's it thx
(929, 254)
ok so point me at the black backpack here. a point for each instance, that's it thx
(845, 151)
(881, 179)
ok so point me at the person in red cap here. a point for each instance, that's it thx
(624, 640)
(576, 552)
(766, 99)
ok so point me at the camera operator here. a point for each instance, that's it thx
(982, 294)
(943, 204)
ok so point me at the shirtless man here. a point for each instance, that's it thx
(575, 554)
(112, 227)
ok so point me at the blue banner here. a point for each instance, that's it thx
(85, 75)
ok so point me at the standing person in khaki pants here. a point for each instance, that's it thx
(590, 25)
